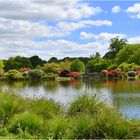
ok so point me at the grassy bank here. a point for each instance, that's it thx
(85, 118)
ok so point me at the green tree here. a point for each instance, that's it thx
(17, 63)
(1, 65)
(116, 44)
(53, 60)
(129, 54)
(97, 64)
(77, 66)
(51, 68)
(35, 61)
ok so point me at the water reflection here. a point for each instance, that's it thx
(121, 93)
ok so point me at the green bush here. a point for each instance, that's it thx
(57, 128)
(126, 67)
(77, 66)
(49, 77)
(45, 108)
(13, 75)
(10, 105)
(84, 104)
(51, 68)
(35, 74)
(26, 121)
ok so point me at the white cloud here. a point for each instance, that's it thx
(101, 36)
(134, 10)
(134, 40)
(58, 48)
(46, 9)
(26, 29)
(70, 26)
(116, 9)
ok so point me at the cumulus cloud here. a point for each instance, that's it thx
(46, 9)
(101, 36)
(70, 26)
(46, 49)
(134, 10)
(116, 9)
(27, 29)
(134, 40)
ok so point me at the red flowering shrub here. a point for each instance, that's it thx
(105, 72)
(111, 72)
(24, 69)
(74, 74)
(137, 71)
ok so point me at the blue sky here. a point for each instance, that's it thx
(66, 28)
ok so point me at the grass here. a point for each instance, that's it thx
(86, 118)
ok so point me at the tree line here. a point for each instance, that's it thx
(120, 55)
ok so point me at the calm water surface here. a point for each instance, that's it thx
(123, 94)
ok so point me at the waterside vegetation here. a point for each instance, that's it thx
(86, 118)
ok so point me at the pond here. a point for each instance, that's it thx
(123, 94)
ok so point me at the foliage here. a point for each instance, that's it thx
(35, 74)
(51, 68)
(10, 104)
(84, 104)
(116, 44)
(129, 54)
(47, 109)
(64, 73)
(53, 60)
(86, 118)
(35, 60)
(97, 64)
(77, 66)
(49, 77)
(125, 67)
(17, 63)
(1, 65)
(65, 65)
(112, 67)
(13, 74)
(26, 121)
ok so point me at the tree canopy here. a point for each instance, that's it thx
(17, 63)
(116, 44)
(129, 54)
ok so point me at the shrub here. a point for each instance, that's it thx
(51, 68)
(45, 108)
(35, 74)
(64, 73)
(49, 77)
(26, 121)
(126, 67)
(10, 105)
(84, 104)
(57, 128)
(13, 75)
(77, 66)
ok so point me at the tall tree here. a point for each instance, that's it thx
(35, 61)
(116, 44)
(17, 63)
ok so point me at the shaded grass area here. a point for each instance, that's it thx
(86, 118)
